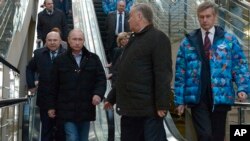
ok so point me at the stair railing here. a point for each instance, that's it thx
(11, 104)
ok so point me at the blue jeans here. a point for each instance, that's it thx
(77, 131)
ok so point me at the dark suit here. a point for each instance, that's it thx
(111, 29)
(46, 22)
(41, 64)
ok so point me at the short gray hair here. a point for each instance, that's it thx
(205, 5)
(146, 11)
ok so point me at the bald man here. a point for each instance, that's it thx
(78, 85)
(41, 64)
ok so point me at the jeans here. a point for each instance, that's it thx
(111, 125)
(77, 131)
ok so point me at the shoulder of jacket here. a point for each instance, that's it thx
(40, 50)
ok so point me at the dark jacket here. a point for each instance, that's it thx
(111, 26)
(73, 87)
(144, 74)
(41, 65)
(46, 22)
(63, 5)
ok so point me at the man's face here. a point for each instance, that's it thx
(121, 6)
(49, 5)
(133, 20)
(76, 41)
(53, 41)
(207, 18)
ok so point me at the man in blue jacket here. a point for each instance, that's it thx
(110, 5)
(208, 61)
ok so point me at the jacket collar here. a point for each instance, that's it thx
(219, 33)
(195, 38)
(60, 49)
(145, 29)
(85, 56)
(85, 52)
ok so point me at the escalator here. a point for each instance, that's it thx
(101, 18)
(7, 11)
(84, 13)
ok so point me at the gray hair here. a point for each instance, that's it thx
(205, 5)
(146, 11)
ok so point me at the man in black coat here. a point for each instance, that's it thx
(142, 88)
(40, 65)
(113, 28)
(78, 85)
(50, 18)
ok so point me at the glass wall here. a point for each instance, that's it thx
(9, 115)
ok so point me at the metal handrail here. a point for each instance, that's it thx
(241, 105)
(9, 65)
(13, 101)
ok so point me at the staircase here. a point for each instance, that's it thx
(6, 26)
(101, 18)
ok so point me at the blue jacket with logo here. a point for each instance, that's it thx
(228, 64)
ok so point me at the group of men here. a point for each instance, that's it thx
(209, 60)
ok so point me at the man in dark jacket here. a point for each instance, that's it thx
(142, 85)
(78, 85)
(50, 18)
(41, 64)
(116, 22)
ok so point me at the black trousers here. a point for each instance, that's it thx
(52, 129)
(142, 129)
(209, 125)
(48, 126)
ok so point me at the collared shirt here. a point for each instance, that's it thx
(78, 58)
(210, 35)
(51, 54)
(117, 21)
(49, 12)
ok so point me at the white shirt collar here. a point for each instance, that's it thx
(211, 30)
(210, 35)
(119, 12)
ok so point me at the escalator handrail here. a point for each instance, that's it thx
(9, 65)
(12, 101)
